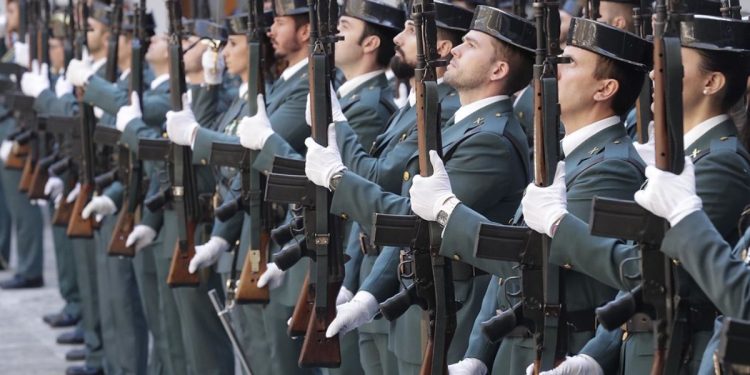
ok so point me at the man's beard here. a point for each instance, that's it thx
(401, 69)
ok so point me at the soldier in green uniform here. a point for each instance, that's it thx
(599, 161)
(484, 147)
(711, 85)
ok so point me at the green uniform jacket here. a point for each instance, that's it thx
(485, 159)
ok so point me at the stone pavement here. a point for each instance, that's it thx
(27, 344)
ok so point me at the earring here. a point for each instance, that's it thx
(705, 91)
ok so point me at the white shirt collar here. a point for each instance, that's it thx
(413, 94)
(571, 141)
(124, 75)
(389, 74)
(158, 81)
(243, 90)
(350, 85)
(292, 70)
(699, 130)
(466, 110)
(96, 65)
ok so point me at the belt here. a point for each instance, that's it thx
(700, 318)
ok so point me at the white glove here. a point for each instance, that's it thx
(336, 113)
(181, 125)
(468, 366)
(545, 206)
(428, 194)
(646, 150)
(273, 277)
(35, 81)
(579, 364)
(53, 189)
(344, 296)
(213, 66)
(141, 236)
(21, 53)
(254, 131)
(128, 113)
(5, 148)
(323, 162)
(78, 72)
(73, 195)
(99, 205)
(668, 195)
(63, 86)
(360, 310)
(403, 96)
(208, 253)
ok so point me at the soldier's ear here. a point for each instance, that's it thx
(499, 70)
(619, 22)
(607, 89)
(370, 44)
(303, 33)
(714, 83)
(444, 48)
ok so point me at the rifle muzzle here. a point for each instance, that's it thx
(503, 323)
(617, 312)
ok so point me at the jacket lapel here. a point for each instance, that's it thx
(592, 146)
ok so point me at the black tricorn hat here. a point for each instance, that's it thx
(289, 7)
(715, 34)
(206, 29)
(375, 12)
(704, 7)
(58, 24)
(237, 24)
(452, 17)
(635, 3)
(610, 42)
(128, 22)
(101, 12)
(507, 27)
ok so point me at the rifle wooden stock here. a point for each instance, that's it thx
(79, 227)
(429, 349)
(125, 224)
(38, 180)
(253, 267)
(302, 309)
(179, 275)
(317, 349)
(17, 158)
(61, 218)
(28, 172)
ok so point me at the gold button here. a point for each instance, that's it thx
(204, 161)
(403, 136)
(165, 135)
(498, 114)
(568, 266)
(617, 142)
(345, 216)
(406, 175)
(237, 243)
(500, 281)
(520, 115)
(456, 257)
(723, 138)
(675, 262)
(453, 93)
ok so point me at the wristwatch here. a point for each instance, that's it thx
(335, 180)
(445, 212)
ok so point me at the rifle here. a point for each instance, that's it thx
(66, 130)
(730, 9)
(77, 226)
(432, 289)
(655, 296)
(642, 24)
(183, 179)
(730, 355)
(130, 168)
(540, 309)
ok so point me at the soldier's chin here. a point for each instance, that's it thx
(401, 69)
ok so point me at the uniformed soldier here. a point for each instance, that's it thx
(599, 160)
(484, 147)
(712, 85)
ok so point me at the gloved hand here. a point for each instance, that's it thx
(35, 81)
(73, 195)
(181, 125)
(344, 296)
(53, 189)
(99, 205)
(273, 277)
(468, 366)
(403, 96)
(323, 162)
(5, 149)
(646, 150)
(669, 195)
(141, 236)
(579, 364)
(208, 253)
(213, 66)
(545, 206)
(360, 310)
(128, 113)
(254, 131)
(79, 72)
(428, 194)
(336, 113)
(21, 53)
(63, 86)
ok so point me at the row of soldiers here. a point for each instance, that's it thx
(213, 168)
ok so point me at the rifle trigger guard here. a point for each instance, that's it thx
(624, 278)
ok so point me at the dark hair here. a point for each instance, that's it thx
(520, 62)
(629, 78)
(386, 48)
(452, 36)
(300, 20)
